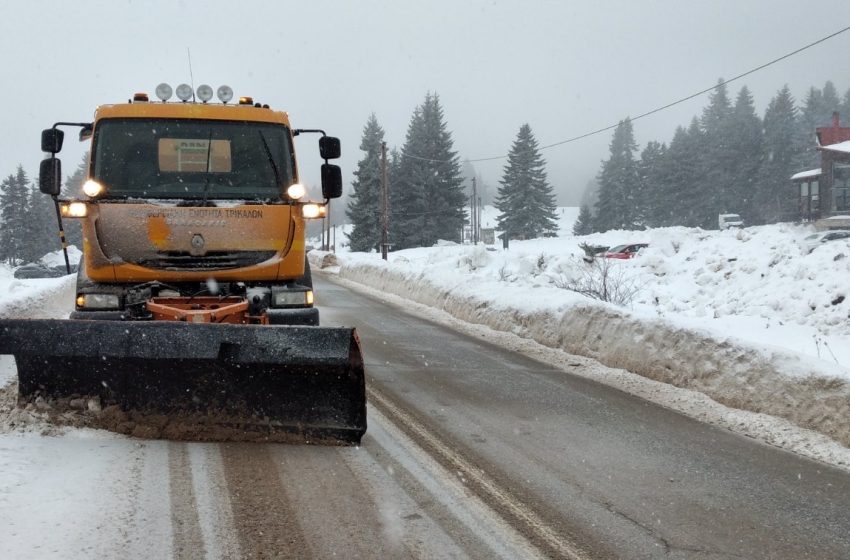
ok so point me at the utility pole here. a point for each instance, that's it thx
(473, 215)
(326, 228)
(478, 222)
(385, 219)
(471, 218)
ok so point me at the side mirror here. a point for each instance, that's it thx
(86, 131)
(51, 140)
(50, 176)
(329, 147)
(331, 181)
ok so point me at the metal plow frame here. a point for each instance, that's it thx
(304, 381)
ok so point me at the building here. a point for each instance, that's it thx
(824, 193)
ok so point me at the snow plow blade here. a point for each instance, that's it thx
(204, 382)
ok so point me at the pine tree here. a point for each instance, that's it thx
(407, 204)
(809, 119)
(41, 226)
(816, 112)
(717, 128)
(745, 154)
(525, 200)
(718, 110)
(14, 200)
(618, 182)
(775, 197)
(364, 210)
(651, 202)
(845, 107)
(584, 223)
(590, 195)
(683, 187)
(427, 198)
(831, 103)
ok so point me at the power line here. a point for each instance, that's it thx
(658, 109)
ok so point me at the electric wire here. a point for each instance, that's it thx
(657, 109)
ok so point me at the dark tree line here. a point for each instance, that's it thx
(29, 227)
(427, 199)
(729, 160)
(428, 196)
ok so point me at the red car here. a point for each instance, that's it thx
(624, 251)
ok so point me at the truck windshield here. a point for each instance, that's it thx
(192, 159)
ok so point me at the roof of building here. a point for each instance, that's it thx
(841, 147)
(806, 174)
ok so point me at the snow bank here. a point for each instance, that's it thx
(746, 317)
(42, 298)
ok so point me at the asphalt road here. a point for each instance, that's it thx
(604, 473)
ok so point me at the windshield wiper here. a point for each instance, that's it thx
(270, 157)
(208, 170)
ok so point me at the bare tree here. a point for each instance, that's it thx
(602, 279)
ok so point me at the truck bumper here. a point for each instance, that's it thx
(307, 316)
(298, 316)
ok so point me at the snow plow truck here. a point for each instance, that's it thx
(194, 301)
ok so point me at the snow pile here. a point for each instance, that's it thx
(57, 258)
(747, 317)
(41, 298)
(44, 298)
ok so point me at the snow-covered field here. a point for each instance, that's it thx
(748, 317)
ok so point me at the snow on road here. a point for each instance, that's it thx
(81, 495)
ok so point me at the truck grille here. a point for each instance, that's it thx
(214, 260)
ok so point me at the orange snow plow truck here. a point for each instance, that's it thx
(194, 298)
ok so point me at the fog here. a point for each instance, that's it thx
(565, 68)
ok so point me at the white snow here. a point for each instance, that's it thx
(807, 174)
(756, 284)
(843, 147)
(57, 258)
(745, 316)
(79, 497)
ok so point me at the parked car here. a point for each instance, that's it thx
(815, 240)
(39, 270)
(629, 251)
(726, 221)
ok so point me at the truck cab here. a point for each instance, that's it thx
(188, 199)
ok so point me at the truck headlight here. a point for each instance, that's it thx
(92, 188)
(314, 210)
(286, 297)
(73, 209)
(296, 191)
(98, 301)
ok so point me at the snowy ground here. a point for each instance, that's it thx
(105, 495)
(748, 317)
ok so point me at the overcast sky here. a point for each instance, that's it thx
(563, 67)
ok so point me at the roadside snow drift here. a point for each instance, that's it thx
(747, 317)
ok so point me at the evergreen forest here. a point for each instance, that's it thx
(728, 159)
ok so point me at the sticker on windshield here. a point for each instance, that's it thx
(194, 155)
